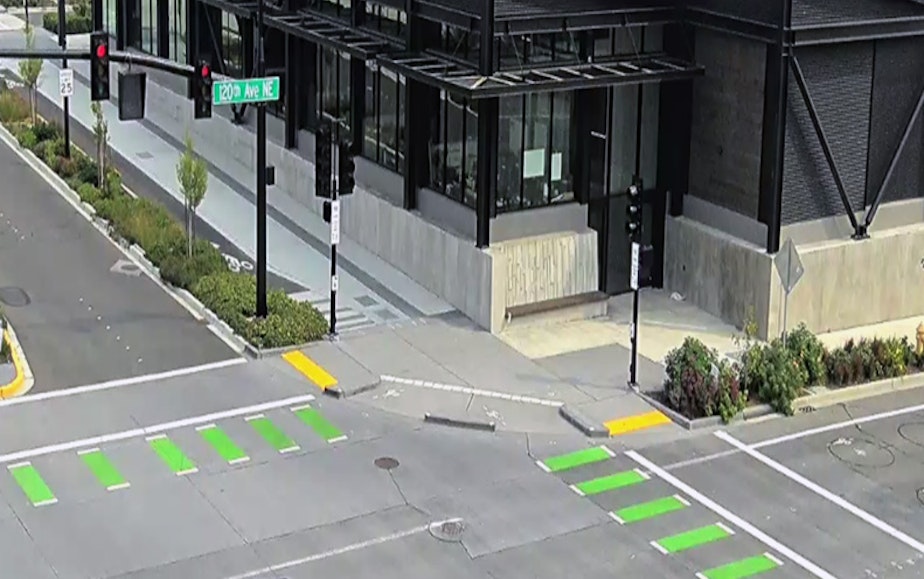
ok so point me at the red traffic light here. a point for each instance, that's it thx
(101, 51)
(206, 72)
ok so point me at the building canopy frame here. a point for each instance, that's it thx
(464, 80)
(331, 34)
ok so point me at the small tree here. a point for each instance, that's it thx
(101, 135)
(30, 70)
(193, 177)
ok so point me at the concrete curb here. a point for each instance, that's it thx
(341, 391)
(133, 252)
(812, 402)
(460, 423)
(582, 422)
(24, 379)
(749, 413)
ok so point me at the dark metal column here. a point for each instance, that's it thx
(675, 122)
(162, 18)
(121, 23)
(259, 31)
(310, 92)
(486, 181)
(96, 14)
(294, 70)
(357, 80)
(62, 42)
(779, 57)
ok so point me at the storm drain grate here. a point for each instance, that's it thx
(14, 297)
(386, 463)
(450, 531)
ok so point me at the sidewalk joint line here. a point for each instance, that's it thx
(472, 391)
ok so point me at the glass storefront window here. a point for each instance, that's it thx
(623, 137)
(177, 28)
(534, 151)
(232, 46)
(334, 89)
(149, 26)
(111, 25)
(386, 19)
(370, 118)
(454, 149)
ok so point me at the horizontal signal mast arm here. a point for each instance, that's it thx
(115, 56)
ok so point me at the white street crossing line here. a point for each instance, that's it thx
(472, 391)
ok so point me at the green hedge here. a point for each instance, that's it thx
(231, 296)
(74, 23)
(775, 373)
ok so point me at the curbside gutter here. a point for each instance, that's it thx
(24, 379)
(832, 396)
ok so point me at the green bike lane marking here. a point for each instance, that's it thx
(609, 482)
(691, 539)
(575, 459)
(171, 454)
(319, 424)
(222, 444)
(272, 434)
(743, 568)
(103, 469)
(649, 510)
(32, 484)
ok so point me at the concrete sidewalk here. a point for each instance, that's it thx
(297, 239)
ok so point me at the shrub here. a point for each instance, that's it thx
(13, 108)
(184, 272)
(27, 138)
(773, 374)
(113, 184)
(810, 352)
(89, 194)
(87, 171)
(232, 296)
(700, 385)
(45, 131)
(870, 360)
(73, 23)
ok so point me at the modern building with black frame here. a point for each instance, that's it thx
(499, 137)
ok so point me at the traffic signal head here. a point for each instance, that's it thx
(634, 210)
(322, 161)
(202, 90)
(347, 168)
(99, 66)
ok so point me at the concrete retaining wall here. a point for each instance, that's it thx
(481, 284)
(846, 283)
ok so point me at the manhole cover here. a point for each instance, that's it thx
(386, 463)
(450, 530)
(913, 432)
(14, 297)
(861, 452)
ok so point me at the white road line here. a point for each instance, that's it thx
(725, 528)
(205, 427)
(472, 391)
(543, 466)
(119, 487)
(730, 517)
(87, 451)
(193, 470)
(156, 430)
(774, 559)
(576, 490)
(660, 549)
(273, 569)
(122, 382)
(239, 460)
(337, 439)
(823, 492)
(290, 449)
(43, 171)
(839, 425)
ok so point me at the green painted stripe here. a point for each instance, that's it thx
(31, 483)
(610, 482)
(171, 454)
(575, 459)
(105, 472)
(272, 434)
(319, 424)
(649, 510)
(743, 568)
(223, 444)
(695, 538)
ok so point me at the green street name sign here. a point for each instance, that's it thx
(248, 90)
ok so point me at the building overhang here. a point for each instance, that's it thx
(356, 42)
(465, 81)
(545, 23)
(820, 34)
(242, 8)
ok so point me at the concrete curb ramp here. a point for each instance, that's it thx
(24, 379)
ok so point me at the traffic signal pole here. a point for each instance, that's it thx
(634, 229)
(62, 42)
(261, 175)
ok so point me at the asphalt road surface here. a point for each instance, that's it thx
(233, 477)
(82, 311)
(142, 185)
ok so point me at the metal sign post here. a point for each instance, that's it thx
(65, 78)
(633, 329)
(334, 241)
(789, 265)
